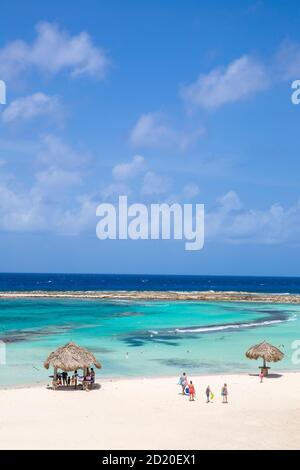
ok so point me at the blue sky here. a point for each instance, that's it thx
(166, 101)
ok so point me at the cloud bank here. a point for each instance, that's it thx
(52, 51)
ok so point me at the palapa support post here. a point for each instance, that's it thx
(264, 369)
(84, 383)
(54, 383)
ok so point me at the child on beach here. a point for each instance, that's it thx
(192, 391)
(261, 376)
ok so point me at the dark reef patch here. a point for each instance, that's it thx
(14, 336)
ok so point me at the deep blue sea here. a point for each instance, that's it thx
(143, 338)
(74, 282)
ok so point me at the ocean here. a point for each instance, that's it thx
(74, 282)
(144, 338)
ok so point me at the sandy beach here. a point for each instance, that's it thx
(151, 414)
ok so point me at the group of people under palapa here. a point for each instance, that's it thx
(63, 379)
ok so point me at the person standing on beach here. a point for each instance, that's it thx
(65, 378)
(183, 382)
(224, 393)
(75, 379)
(208, 392)
(192, 391)
(261, 376)
(93, 376)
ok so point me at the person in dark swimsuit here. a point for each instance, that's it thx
(75, 379)
(208, 392)
(65, 378)
(93, 375)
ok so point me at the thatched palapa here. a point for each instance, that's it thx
(265, 351)
(71, 357)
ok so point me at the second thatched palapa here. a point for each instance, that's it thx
(267, 352)
(71, 357)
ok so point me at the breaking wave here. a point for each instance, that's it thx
(235, 326)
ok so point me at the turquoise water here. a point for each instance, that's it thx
(134, 338)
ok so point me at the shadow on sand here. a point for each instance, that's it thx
(69, 388)
(269, 376)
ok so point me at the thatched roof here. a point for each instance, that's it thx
(71, 357)
(265, 351)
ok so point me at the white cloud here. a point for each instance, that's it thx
(190, 191)
(232, 222)
(122, 174)
(188, 139)
(52, 51)
(46, 206)
(54, 182)
(152, 131)
(154, 184)
(50, 199)
(54, 151)
(29, 107)
(51, 203)
(230, 201)
(133, 177)
(287, 60)
(20, 210)
(125, 171)
(114, 190)
(240, 79)
(78, 219)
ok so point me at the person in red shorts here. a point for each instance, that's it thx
(192, 391)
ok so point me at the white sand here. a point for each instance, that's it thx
(150, 414)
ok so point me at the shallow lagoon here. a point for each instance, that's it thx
(133, 338)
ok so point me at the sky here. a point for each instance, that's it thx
(163, 101)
